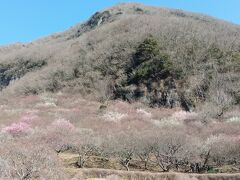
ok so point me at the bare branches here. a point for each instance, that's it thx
(29, 163)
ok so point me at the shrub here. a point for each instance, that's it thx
(29, 118)
(17, 129)
(114, 116)
(62, 124)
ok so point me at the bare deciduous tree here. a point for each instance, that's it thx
(29, 162)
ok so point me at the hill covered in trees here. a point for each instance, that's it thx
(163, 57)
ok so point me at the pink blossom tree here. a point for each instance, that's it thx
(17, 129)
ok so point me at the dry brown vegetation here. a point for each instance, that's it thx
(101, 57)
(101, 174)
(135, 88)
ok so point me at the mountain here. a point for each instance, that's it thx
(163, 57)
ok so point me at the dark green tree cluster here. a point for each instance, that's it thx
(149, 63)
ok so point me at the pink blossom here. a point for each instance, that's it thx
(63, 124)
(28, 118)
(16, 129)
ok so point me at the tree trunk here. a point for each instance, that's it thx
(80, 162)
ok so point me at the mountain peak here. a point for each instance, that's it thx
(108, 53)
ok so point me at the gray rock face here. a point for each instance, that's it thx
(98, 18)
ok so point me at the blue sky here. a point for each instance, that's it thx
(26, 20)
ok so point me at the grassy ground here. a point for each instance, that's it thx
(136, 175)
(109, 173)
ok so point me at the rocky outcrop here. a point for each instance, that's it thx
(96, 20)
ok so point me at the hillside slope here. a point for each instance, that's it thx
(163, 57)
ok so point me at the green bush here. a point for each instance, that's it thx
(155, 68)
(149, 62)
(146, 51)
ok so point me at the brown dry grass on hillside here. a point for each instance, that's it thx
(134, 175)
(78, 58)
